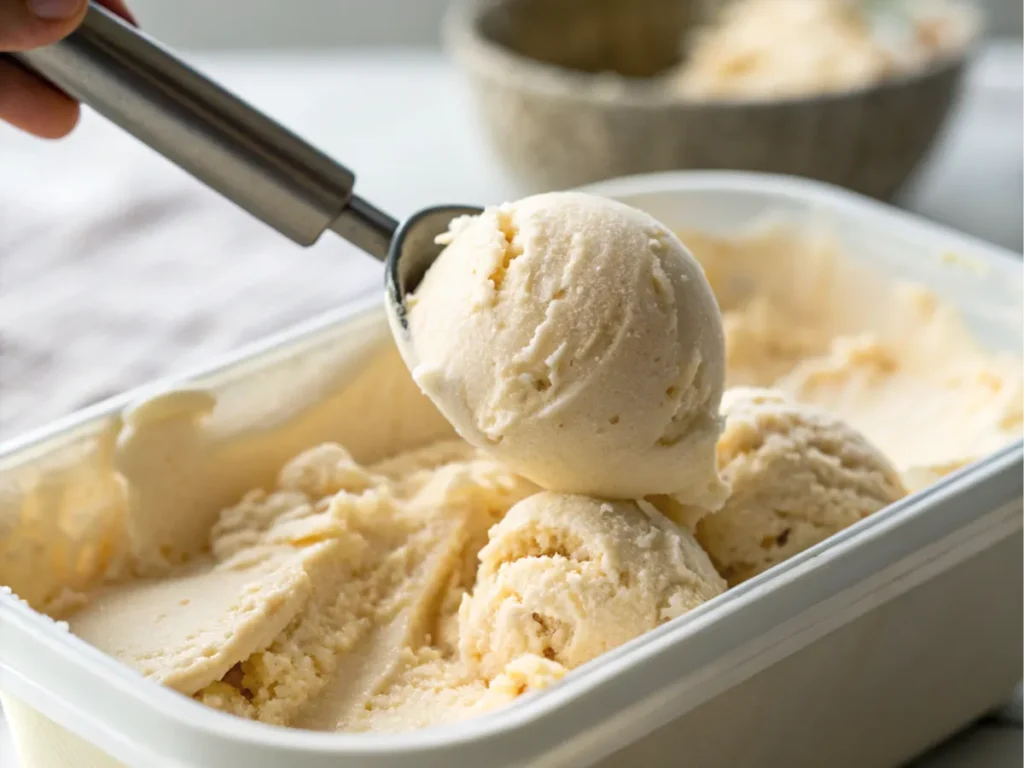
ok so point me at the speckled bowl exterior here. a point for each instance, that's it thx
(556, 121)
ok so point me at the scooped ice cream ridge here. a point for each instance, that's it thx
(571, 577)
(797, 474)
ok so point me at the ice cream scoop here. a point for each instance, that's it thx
(797, 475)
(576, 339)
(224, 142)
(568, 577)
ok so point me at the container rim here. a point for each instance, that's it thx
(801, 190)
(360, 304)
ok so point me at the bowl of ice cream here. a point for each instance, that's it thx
(575, 91)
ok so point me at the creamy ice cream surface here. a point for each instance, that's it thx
(314, 595)
(797, 475)
(886, 356)
(561, 580)
(570, 577)
(576, 340)
(376, 598)
(792, 48)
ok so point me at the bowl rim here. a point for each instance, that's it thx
(478, 53)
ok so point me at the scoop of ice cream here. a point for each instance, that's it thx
(798, 475)
(577, 340)
(568, 577)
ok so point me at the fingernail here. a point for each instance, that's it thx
(54, 10)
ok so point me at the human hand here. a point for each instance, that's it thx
(26, 101)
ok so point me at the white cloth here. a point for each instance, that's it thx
(116, 268)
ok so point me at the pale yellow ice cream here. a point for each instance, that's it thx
(576, 340)
(789, 48)
(534, 613)
(337, 561)
(419, 521)
(353, 597)
(569, 577)
(430, 687)
(797, 475)
(885, 356)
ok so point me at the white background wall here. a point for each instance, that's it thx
(324, 23)
(291, 23)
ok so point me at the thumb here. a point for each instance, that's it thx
(26, 24)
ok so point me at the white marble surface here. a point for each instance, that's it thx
(115, 268)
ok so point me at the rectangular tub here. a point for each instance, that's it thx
(862, 651)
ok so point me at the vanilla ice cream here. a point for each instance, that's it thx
(797, 474)
(788, 48)
(887, 357)
(569, 577)
(575, 339)
(335, 559)
(377, 597)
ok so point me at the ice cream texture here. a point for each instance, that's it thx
(570, 577)
(797, 475)
(330, 556)
(377, 598)
(575, 339)
(337, 561)
(761, 49)
(884, 355)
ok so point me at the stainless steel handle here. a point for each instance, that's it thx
(208, 131)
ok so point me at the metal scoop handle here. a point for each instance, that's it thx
(209, 132)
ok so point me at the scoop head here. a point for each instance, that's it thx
(413, 250)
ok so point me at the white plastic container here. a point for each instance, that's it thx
(862, 651)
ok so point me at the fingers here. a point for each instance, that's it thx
(28, 103)
(25, 101)
(26, 24)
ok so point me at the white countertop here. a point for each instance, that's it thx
(116, 268)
